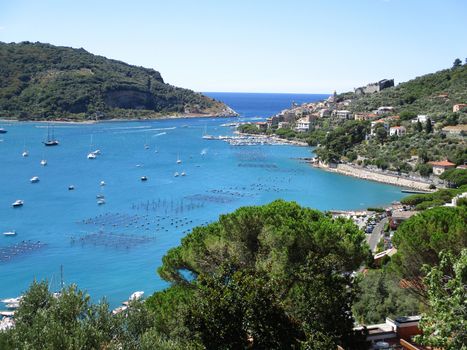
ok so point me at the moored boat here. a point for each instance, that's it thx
(10, 233)
(17, 203)
(34, 179)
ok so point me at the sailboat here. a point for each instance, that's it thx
(93, 155)
(51, 141)
(179, 161)
(206, 136)
(25, 151)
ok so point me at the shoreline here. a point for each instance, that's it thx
(274, 139)
(86, 122)
(348, 170)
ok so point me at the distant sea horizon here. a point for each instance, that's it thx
(263, 104)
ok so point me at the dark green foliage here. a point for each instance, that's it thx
(455, 177)
(440, 197)
(381, 297)
(457, 63)
(420, 239)
(42, 81)
(248, 129)
(443, 324)
(419, 95)
(428, 126)
(271, 277)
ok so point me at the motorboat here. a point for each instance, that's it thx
(100, 196)
(17, 203)
(144, 178)
(3, 131)
(25, 153)
(101, 201)
(43, 162)
(92, 156)
(102, 183)
(9, 233)
(34, 179)
(182, 173)
(71, 188)
(176, 174)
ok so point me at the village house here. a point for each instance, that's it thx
(397, 131)
(365, 116)
(399, 216)
(324, 113)
(384, 110)
(283, 125)
(455, 130)
(420, 118)
(342, 114)
(303, 124)
(262, 126)
(458, 107)
(441, 167)
(394, 333)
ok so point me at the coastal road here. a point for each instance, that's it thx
(376, 235)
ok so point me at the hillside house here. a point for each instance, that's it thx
(262, 126)
(303, 124)
(455, 130)
(441, 167)
(397, 131)
(399, 216)
(420, 118)
(458, 107)
(365, 116)
(342, 114)
(394, 333)
(283, 125)
(384, 110)
(324, 113)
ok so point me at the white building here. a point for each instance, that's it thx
(303, 124)
(420, 118)
(397, 131)
(343, 114)
(384, 110)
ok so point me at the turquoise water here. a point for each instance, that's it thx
(114, 249)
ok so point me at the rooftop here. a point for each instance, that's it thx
(442, 163)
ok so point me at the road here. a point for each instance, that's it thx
(376, 235)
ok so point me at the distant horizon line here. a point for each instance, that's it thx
(270, 93)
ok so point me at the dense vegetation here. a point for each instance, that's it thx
(432, 94)
(270, 277)
(421, 239)
(39, 81)
(435, 199)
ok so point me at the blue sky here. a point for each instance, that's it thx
(312, 46)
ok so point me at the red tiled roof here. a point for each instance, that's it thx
(442, 163)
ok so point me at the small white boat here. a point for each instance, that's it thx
(100, 196)
(101, 201)
(34, 179)
(102, 183)
(183, 173)
(17, 203)
(71, 188)
(176, 174)
(92, 156)
(144, 178)
(25, 153)
(179, 161)
(9, 233)
(43, 162)
(96, 152)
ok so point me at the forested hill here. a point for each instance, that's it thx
(42, 81)
(430, 94)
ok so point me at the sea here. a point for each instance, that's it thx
(113, 249)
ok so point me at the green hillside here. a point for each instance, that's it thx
(42, 81)
(430, 94)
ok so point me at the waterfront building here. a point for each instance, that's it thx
(441, 167)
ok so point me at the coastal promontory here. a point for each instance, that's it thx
(44, 82)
